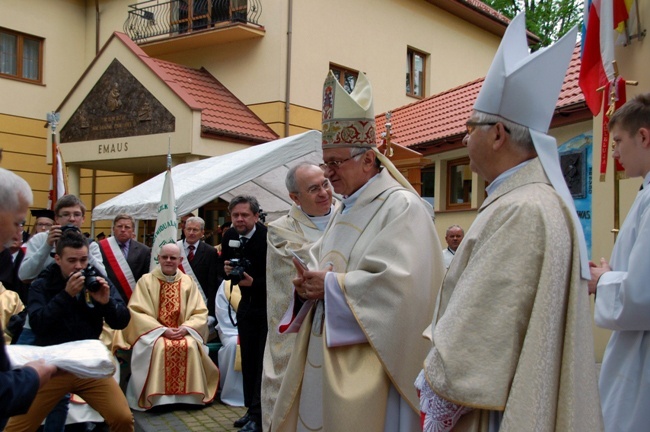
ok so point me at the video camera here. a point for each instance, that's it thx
(239, 263)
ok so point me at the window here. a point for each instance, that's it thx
(459, 184)
(428, 178)
(416, 69)
(347, 77)
(21, 56)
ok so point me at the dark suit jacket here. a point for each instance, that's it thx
(9, 273)
(18, 387)
(138, 260)
(205, 267)
(255, 251)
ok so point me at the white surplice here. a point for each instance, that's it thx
(623, 305)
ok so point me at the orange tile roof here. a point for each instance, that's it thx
(222, 114)
(442, 117)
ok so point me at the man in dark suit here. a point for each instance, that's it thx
(125, 259)
(200, 262)
(247, 239)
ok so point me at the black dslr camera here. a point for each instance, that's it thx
(91, 283)
(239, 263)
(239, 267)
(67, 227)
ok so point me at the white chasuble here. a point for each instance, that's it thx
(387, 260)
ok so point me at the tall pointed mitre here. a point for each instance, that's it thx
(524, 88)
(348, 118)
(349, 121)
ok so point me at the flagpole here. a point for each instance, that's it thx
(53, 121)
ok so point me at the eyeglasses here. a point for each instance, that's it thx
(334, 163)
(317, 188)
(44, 225)
(472, 125)
(67, 215)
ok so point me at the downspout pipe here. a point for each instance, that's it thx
(287, 85)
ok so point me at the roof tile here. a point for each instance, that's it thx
(444, 115)
(222, 113)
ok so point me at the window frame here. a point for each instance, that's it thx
(20, 41)
(343, 71)
(451, 205)
(411, 53)
(428, 169)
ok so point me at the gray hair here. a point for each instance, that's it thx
(195, 219)
(455, 226)
(245, 199)
(124, 216)
(14, 191)
(290, 180)
(519, 135)
(358, 151)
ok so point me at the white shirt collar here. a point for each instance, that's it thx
(504, 176)
(350, 201)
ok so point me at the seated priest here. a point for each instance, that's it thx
(168, 332)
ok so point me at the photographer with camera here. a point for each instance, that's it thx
(69, 301)
(244, 257)
(69, 213)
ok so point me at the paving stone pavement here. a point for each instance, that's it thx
(216, 417)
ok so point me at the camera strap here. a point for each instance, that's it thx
(230, 308)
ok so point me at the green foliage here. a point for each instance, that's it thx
(548, 19)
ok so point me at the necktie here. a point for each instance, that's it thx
(123, 249)
(190, 256)
(243, 241)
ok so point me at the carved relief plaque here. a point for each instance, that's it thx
(574, 170)
(117, 106)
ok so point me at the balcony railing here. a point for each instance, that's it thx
(152, 18)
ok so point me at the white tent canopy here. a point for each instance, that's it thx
(259, 171)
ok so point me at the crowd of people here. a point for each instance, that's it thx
(347, 314)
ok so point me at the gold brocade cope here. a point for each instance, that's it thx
(293, 232)
(517, 338)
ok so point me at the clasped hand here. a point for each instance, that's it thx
(309, 285)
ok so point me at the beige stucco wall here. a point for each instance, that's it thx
(61, 23)
(377, 45)
(370, 39)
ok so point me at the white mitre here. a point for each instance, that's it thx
(349, 121)
(524, 88)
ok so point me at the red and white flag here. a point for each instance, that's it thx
(57, 179)
(601, 18)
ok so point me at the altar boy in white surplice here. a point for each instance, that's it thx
(622, 303)
(168, 331)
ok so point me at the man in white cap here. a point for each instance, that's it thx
(512, 339)
(374, 276)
